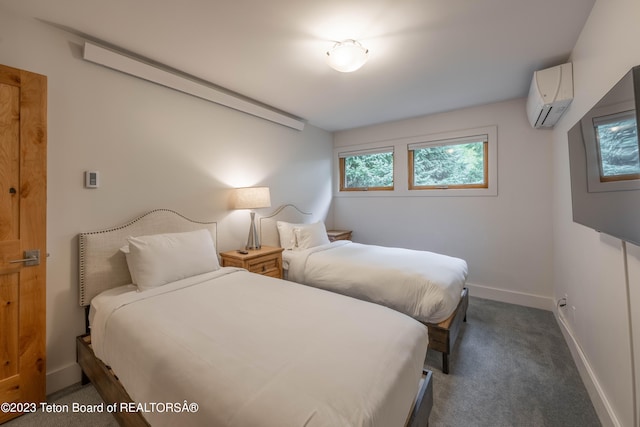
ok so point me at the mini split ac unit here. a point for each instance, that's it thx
(550, 94)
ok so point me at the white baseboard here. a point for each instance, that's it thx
(598, 397)
(511, 297)
(62, 378)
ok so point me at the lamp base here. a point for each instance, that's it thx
(253, 241)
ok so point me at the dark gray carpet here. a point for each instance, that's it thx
(510, 368)
(86, 395)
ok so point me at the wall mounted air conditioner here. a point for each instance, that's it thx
(550, 94)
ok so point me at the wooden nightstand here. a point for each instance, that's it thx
(267, 260)
(339, 235)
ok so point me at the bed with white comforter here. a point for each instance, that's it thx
(424, 285)
(421, 284)
(253, 350)
(175, 328)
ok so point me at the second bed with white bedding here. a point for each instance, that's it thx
(421, 284)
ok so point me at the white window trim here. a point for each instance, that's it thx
(449, 141)
(400, 167)
(364, 152)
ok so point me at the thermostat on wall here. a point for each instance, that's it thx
(91, 179)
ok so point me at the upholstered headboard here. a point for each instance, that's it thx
(103, 266)
(268, 228)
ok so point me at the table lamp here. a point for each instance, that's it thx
(252, 198)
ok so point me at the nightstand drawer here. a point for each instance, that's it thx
(266, 260)
(267, 265)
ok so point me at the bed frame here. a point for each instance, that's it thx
(102, 266)
(442, 336)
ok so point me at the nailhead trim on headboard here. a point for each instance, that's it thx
(102, 265)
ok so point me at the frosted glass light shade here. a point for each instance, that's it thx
(347, 56)
(252, 198)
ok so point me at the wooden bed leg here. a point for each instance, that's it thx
(443, 335)
(84, 379)
(445, 363)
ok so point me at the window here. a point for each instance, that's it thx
(617, 146)
(465, 160)
(367, 170)
(459, 163)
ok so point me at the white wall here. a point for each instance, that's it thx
(590, 267)
(506, 239)
(154, 147)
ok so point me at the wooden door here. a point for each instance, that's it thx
(23, 203)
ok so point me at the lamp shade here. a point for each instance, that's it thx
(251, 198)
(347, 56)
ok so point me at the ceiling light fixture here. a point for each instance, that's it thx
(347, 56)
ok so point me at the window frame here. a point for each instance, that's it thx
(401, 174)
(411, 148)
(363, 152)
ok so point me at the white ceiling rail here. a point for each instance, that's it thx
(137, 68)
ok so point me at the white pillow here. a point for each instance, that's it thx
(126, 252)
(311, 235)
(287, 235)
(163, 258)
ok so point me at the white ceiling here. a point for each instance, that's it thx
(425, 56)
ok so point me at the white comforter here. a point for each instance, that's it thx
(256, 351)
(421, 284)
